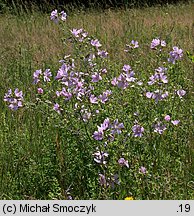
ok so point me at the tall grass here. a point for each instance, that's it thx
(41, 161)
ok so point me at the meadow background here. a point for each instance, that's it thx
(41, 160)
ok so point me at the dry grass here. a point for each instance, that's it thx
(37, 35)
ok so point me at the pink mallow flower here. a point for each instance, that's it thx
(95, 43)
(40, 91)
(142, 170)
(167, 118)
(96, 77)
(123, 162)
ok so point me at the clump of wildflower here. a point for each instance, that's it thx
(159, 77)
(62, 73)
(73, 82)
(104, 96)
(114, 128)
(123, 162)
(157, 43)
(64, 93)
(127, 68)
(76, 32)
(102, 53)
(123, 80)
(80, 34)
(55, 16)
(168, 118)
(36, 76)
(159, 127)
(133, 45)
(105, 125)
(95, 43)
(15, 100)
(175, 55)
(108, 181)
(98, 135)
(157, 95)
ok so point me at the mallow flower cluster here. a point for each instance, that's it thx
(157, 43)
(125, 78)
(114, 128)
(14, 99)
(175, 55)
(56, 17)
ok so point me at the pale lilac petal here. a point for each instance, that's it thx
(175, 122)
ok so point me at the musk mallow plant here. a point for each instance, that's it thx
(83, 94)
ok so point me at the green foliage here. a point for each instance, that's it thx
(190, 56)
(45, 155)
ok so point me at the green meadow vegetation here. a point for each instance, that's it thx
(128, 135)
